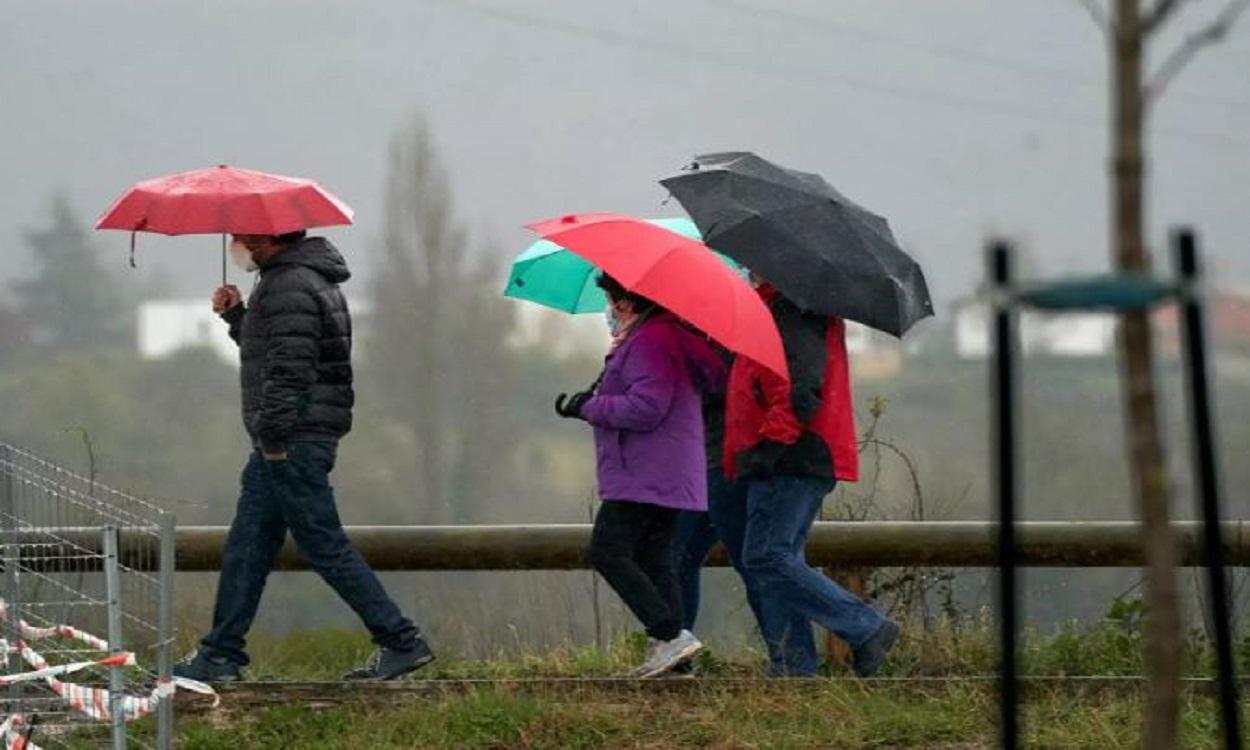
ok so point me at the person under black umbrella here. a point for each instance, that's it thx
(787, 444)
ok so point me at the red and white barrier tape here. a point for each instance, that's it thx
(11, 734)
(32, 633)
(45, 671)
(94, 702)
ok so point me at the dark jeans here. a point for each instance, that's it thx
(780, 512)
(694, 539)
(787, 635)
(294, 494)
(632, 548)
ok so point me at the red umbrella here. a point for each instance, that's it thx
(225, 200)
(677, 272)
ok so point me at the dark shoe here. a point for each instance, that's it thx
(392, 663)
(870, 656)
(202, 667)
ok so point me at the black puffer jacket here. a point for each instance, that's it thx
(295, 344)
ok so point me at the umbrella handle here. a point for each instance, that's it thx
(223, 258)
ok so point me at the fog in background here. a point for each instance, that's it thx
(956, 120)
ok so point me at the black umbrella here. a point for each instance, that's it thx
(820, 249)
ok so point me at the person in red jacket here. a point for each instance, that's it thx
(787, 444)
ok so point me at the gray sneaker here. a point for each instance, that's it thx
(669, 654)
(390, 663)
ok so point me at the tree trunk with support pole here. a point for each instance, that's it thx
(1129, 27)
(1136, 361)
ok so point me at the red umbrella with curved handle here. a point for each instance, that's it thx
(677, 272)
(225, 200)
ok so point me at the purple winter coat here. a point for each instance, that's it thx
(648, 418)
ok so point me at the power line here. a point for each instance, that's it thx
(799, 74)
(830, 27)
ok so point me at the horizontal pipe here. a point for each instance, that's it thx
(874, 544)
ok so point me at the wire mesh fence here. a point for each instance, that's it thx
(87, 592)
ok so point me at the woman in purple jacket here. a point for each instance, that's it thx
(647, 413)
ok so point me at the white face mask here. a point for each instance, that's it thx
(614, 323)
(241, 256)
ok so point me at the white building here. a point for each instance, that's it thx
(169, 326)
(1058, 335)
(559, 333)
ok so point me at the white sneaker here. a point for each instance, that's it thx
(647, 656)
(669, 654)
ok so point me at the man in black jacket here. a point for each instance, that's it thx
(294, 338)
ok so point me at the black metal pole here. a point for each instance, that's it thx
(1193, 329)
(1003, 434)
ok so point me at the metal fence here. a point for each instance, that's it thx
(87, 630)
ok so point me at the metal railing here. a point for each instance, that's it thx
(71, 596)
(874, 544)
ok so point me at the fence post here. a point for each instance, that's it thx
(113, 593)
(1193, 328)
(165, 633)
(12, 594)
(1003, 450)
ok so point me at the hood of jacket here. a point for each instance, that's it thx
(316, 253)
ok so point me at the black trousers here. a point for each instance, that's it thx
(632, 548)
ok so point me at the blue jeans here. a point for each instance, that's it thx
(294, 494)
(787, 635)
(779, 514)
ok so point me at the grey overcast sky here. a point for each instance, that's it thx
(953, 118)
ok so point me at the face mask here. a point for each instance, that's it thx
(241, 256)
(614, 323)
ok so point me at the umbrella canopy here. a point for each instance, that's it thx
(817, 247)
(678, 273)
(552, 276)
(225, 200)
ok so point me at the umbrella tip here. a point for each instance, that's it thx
(570, 219)
(223, 166)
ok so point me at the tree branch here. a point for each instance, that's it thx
(1098, 14)
(1214, 33)
(1163, 9)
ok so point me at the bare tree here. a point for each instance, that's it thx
(438, 337)
(1130, 26)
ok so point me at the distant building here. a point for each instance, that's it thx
(874, 355)
(1228, 331)
(1076, 335)
(1080, 335)
(560, 334)
(169, 326)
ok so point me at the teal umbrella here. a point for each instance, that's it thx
(550, 275)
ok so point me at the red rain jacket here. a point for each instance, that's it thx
(805, 427)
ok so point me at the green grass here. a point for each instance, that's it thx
(771, 716)
(719, 714)
(1112, 646)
